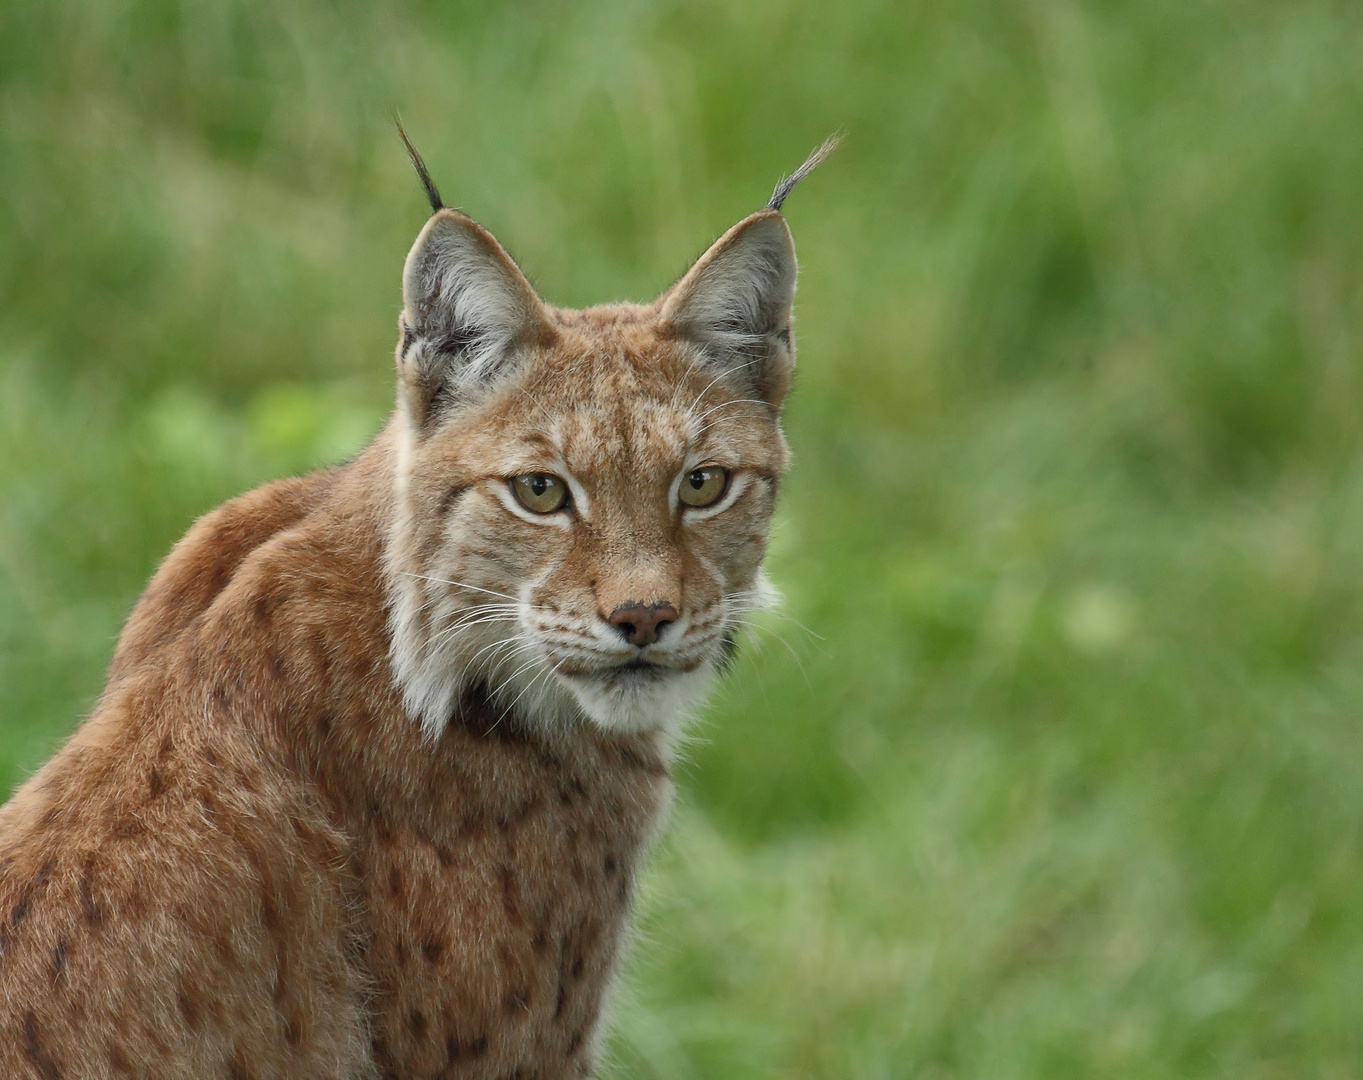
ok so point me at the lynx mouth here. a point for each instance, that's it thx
(638, 665)
(638, 694)
(636, 672)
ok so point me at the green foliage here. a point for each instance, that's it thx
(1051, 767)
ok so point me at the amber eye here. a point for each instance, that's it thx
(703, 487)
(541, 492)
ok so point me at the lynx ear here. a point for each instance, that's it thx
(735, 304)
(466, 309)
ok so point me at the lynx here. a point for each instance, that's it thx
(381, 748)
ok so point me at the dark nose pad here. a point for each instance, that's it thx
(640, 623)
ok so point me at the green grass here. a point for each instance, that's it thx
(1065, 776)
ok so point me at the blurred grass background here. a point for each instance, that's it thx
(1065, 778)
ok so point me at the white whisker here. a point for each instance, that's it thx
(465, 585)
(547, 670)
(516, 645)
(726, 404)
(446, 633)
(721, 375)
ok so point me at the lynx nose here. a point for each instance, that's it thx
(640, 623)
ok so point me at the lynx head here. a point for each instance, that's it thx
(583, 497)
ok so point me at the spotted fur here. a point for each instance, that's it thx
(369, 785)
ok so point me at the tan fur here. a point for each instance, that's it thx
(367, 790)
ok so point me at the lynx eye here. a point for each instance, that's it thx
(541, 492)
(703, 487)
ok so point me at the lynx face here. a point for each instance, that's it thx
(583, 496)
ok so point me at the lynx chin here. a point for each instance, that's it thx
(382, 748)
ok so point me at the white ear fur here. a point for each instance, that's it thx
(466, 305)
(735, 303)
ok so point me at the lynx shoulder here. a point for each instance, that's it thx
(381, 748)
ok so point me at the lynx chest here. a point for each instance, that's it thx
(494, 905)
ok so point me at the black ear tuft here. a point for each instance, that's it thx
(420, 166)
(787, 184)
